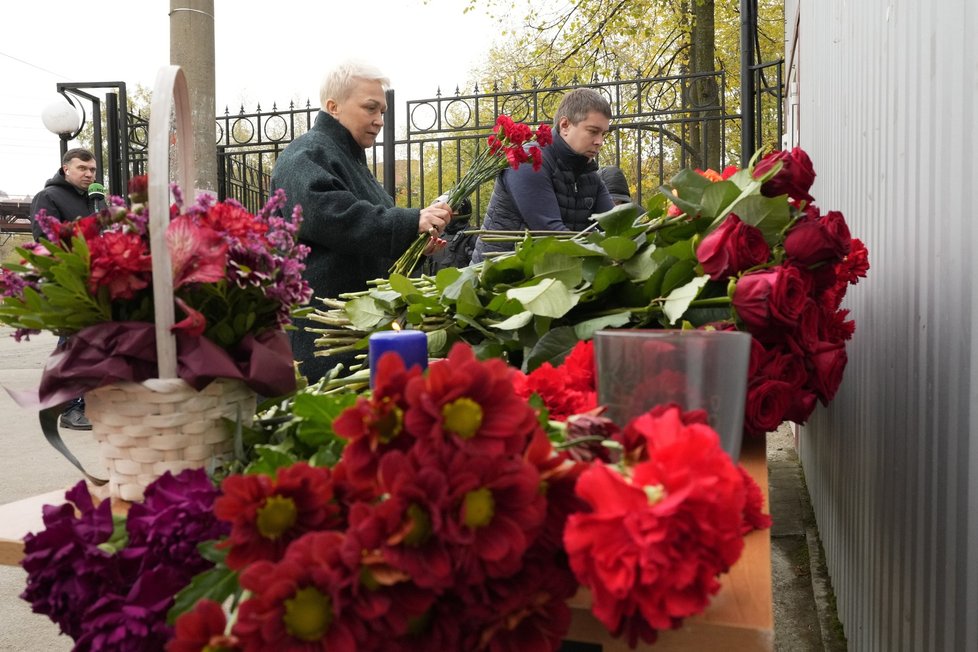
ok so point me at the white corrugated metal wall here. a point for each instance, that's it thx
(887, 94)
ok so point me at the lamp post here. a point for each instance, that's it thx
(61, 117)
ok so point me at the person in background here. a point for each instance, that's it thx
(564, 194)
(65, 196)
(350, 224)
(614, 180)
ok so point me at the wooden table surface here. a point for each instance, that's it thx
(740, 617)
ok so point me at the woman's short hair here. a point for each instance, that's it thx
(578, 103)
(339, 82)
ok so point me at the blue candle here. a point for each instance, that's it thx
(412, 346)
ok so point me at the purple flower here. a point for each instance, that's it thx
(65, 566)
(174, 518)
(135, 621)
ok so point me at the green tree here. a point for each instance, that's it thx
(577, 41)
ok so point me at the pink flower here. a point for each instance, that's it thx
(198, 254)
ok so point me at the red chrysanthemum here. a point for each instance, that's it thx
(654, 543)
(202, 630)
(376, 425)
(469, 403)
(497, 509)
(528, 611)
(301, 603)
(266, 515)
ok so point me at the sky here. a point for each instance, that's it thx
(264, 52)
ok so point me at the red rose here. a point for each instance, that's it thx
(769, 299)
(828, 365)
(795, 177)
(802, 405)
(784, 366)
(767, 403)
(814, 241)
(731, 248)
(809, 325)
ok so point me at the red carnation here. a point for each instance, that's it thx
(754, 517)
(120, 262)
(653, 545)
(544, 135)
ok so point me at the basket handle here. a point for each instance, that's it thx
(169, 94)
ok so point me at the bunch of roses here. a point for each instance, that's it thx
(234, 273)
(789, 299)
(442, 527)
(109, 587)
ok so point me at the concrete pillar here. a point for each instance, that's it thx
(192, 48)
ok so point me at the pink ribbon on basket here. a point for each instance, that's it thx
(126, 351)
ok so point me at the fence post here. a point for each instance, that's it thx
(389, 146)
(746, 81)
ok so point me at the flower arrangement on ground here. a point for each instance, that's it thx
(744, 249)
(456, 517)
(510, 144)
(236, 279)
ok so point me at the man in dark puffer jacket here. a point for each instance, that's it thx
(65, 196)
(567, 190)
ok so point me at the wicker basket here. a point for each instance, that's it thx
(163, 424)
(146, 429)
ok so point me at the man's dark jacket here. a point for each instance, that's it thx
(579, 191)
(350, 223)
(62, 200)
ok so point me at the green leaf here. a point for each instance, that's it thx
(717, 197)
(269, 459)
(553, 347)
(585, 330)
(679, 299)
(769, 214)
(619, 220)
(365, 314)
(468, 302)
(567, 269)
(642, 264)
(217, 584)
(467, 277)
(606, 277)
(438, 342)
(402, 285)
(515, 322)
(548, 298)
(619, 248)
(678, 274)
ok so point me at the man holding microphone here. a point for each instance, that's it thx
(71, 193)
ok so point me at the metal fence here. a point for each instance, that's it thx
(659, 126)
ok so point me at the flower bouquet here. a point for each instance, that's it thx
(157, 387)
(510, 144)
(744, 249)
(456, 516)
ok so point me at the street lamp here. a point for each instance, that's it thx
(61, 117)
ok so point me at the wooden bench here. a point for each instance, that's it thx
(740, 617)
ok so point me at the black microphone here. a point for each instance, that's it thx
(96, 191)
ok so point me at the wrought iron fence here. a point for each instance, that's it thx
(659, 126)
